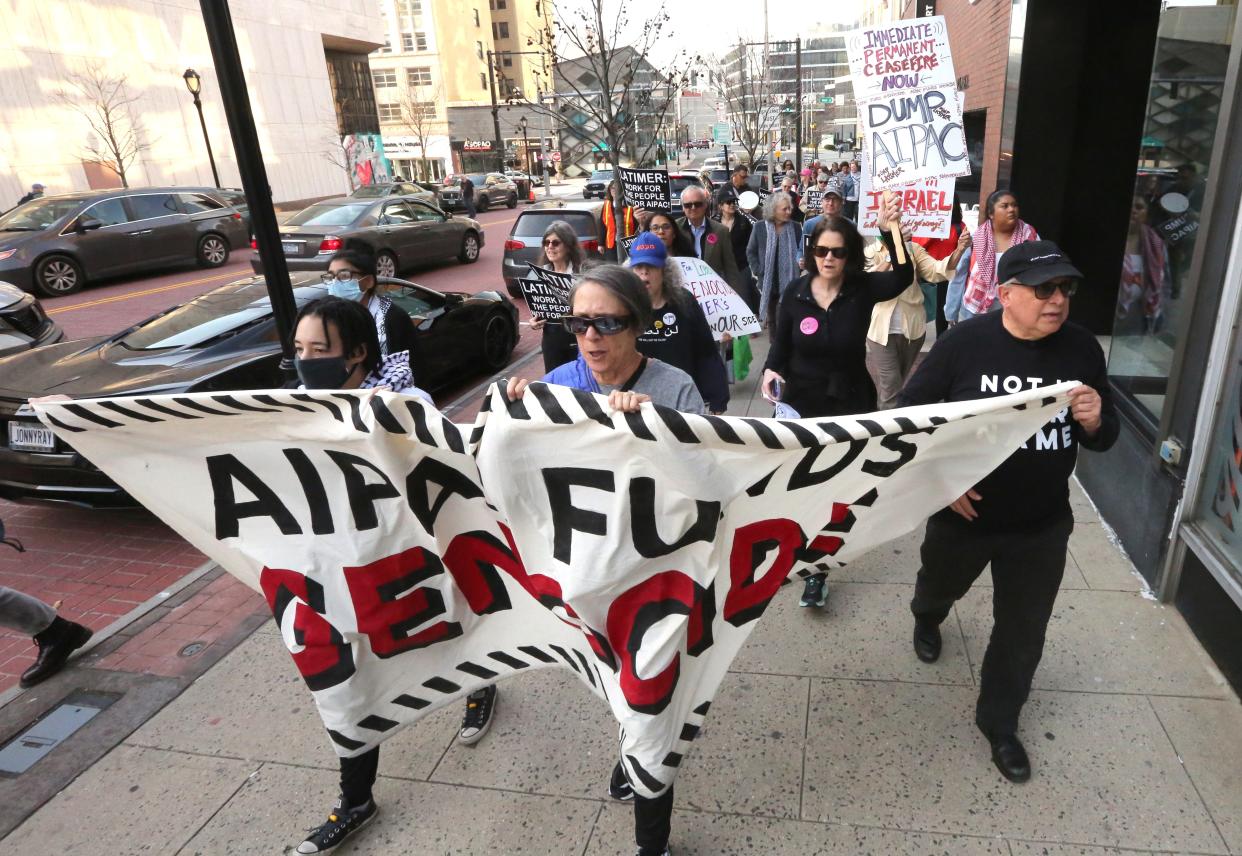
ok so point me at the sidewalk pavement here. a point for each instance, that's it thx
(828, 737)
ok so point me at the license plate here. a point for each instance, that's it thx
(25, 437)
(291, 248)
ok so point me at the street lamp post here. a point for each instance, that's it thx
(194, 83)
(525, 146)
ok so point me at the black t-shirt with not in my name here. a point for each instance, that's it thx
(979, 358)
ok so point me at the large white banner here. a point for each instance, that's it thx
(409, 561)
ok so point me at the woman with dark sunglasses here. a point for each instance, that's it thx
(817, 364)
(562, 253)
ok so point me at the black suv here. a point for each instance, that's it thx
(525, 241)
(54, 245)
(490, 190)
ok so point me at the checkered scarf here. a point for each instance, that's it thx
(981, 285)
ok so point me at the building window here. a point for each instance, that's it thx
(409, 8)
(477, 23)
(420, 76)
(507, 61)
(500, 29)
(423, 110)
(384, 78)
(407, 42)
(389, 112)
(482, 80)
(387, 48)
(502, 4)
(420, 41)
(478, 49)
(353, 93)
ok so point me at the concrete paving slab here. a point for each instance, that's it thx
(549, 735)
(275, 808)
(254, 705)
(748, 757)
(1104, 772)
(1105, 641)
(707, 834)
(1205, 735)
(1027, 848)
(1101, 561)
(133, 801)
(862, 632)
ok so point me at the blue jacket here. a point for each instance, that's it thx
(957, 290)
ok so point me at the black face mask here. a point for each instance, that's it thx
(322, 372)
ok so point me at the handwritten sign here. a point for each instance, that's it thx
(547, 292)
(726, 311)
(646, 188)
(926, 206)
(907, 99)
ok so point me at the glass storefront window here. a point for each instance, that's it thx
(1187, 85)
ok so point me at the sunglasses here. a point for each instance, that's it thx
(822, 252)
(605, 325)
(692, 205)
(553, 242)
(340, 276)
(1045, 290)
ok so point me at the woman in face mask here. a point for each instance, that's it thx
(351, 276)
(336, 347)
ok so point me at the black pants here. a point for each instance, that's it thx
(652, 817)
(1026, 573)
(559, 346)
(942, 295)
(358, 777)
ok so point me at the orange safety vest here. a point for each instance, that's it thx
(610, 224)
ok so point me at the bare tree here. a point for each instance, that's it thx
(336, 152)
(747, 90)
(420, 115)
(117, 138)
(607, 92)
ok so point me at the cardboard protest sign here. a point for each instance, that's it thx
(726, 311)
(646, 188)
(926, 206)
(814, 199)
(409, 561)
(547, 293)
(907, 100)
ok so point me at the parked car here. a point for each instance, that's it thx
(401, 231)
(526, 236)
(679, 181)
(55, 245)
(224, 340)
(398, 188)
(23, 323)
(597, 184)
(490, 190)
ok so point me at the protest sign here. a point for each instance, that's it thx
(625, 243)
(646, 188)
(907, 101)
(547, 294)
(408, 561)
(814, 199)
(726, 311)
(926, 206)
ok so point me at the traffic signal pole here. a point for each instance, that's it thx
(798, 106)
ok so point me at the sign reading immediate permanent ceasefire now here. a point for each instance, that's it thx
(646, 188)
(907, 101)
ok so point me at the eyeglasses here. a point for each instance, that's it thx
(1045, 290)
(692, 205)
(822, 252)
(822, 183)
(553, 242)
(340, 276)
(663, 227)
(605, 325)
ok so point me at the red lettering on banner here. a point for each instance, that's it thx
(325, 659)
(472, 558)
(639, 609)
(748, 597)
(390, 601)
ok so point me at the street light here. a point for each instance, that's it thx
(194, 83)
(525, 145)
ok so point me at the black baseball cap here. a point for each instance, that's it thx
(726, 194)
(1034, 263)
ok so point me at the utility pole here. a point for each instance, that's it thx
(491, 83)
(798, 106)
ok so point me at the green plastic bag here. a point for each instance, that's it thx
(741, 357)
(929, 300)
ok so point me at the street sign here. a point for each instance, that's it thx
(721, 132)
(769, 117)
(556, 157)
(827, 99)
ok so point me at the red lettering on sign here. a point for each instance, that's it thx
(325, 659)
(390, 602)
(748, 597)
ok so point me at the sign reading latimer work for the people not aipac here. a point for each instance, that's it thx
(546, 292)
(408, 561)
(907, 102)
(646, 188)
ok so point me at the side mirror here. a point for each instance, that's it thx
(89, 224)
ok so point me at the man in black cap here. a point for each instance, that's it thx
(36, 192)
(1018, 518)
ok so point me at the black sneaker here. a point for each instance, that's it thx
(341, 823)
(618, 786)
(480, 705)
(816, 591)
(642, 852)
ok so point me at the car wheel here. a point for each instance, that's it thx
(515, 290)
(386, 264)
(483, 203)
(512, 203)
(586, 194)
(56, 276)
(213, 251)
(498, 342)
(469, 249)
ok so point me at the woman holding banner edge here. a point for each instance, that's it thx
(817, 364)
(562, 253)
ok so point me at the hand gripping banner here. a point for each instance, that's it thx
(409, 561)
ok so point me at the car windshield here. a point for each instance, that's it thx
(677, 183)
(218, 313)
(602, 175)
(532, 224)
(372, 190)
(326, 214)
(37, 215)
(476, 180)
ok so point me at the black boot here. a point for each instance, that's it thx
(1009, 755)
(926, 640)
(56, 643)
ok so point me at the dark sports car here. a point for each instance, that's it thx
(23, 323)
(224, 340)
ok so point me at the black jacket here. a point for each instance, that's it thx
(399, 332)
(681, 337)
